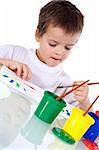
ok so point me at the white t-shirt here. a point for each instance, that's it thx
(47, 78)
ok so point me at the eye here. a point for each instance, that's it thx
(67, 48)
(53, 45)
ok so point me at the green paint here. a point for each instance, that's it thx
(17, 84)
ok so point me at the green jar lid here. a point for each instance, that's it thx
(61, 134)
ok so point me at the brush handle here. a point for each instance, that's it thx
(65, 94)
(90, 106)
(67, 86)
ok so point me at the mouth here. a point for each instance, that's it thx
(57, 59)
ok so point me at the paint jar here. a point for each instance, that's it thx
(77, 124)
(46, 112)
(64, 142)
(90, 145)
(49, 107)
(93, 132)
(97, 113)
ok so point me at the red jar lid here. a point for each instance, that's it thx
(90, 145)
(97, 113)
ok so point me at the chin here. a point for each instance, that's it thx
(53, 65)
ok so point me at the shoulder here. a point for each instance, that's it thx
(19, 52)
(14, 52)
(6, 50)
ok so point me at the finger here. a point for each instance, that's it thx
(25, 72)
(79, 82)
(12, 67)
(79, 98)
(29, 74)
(80, 90)
(19, 70)
(5, 62)
(78, 93)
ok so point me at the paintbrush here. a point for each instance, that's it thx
(65, 94)
(90, 106)
(68, 86)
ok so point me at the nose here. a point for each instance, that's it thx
(60, 52)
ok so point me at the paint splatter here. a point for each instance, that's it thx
(17, 85)
(67, 112)
(5, 75)
(11, 81)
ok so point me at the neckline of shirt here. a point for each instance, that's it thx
(42, 65)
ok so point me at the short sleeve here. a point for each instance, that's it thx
(13, 52)
(6, 51)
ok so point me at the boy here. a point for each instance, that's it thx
(59, 28)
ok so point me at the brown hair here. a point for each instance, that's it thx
(60, 13)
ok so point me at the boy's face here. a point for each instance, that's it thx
(55, 45)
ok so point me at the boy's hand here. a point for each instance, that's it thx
(81, 94)
(21, 70)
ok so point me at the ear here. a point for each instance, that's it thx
(37, 35)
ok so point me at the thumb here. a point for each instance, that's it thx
(12, 67)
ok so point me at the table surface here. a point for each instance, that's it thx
(21, 143)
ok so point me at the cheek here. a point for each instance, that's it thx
(45, 49)
(45, 45)
(66, 55)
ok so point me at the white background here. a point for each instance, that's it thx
(18, 20)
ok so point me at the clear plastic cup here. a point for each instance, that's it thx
(35, 130)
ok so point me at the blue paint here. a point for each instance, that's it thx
(11, 81)
(24, 89)
(5, 75)
(68, 113)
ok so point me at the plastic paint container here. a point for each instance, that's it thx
(77, 124)
(62, 135)
(62, 141)
(93, 131)
(49, 107)
(90, 145)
